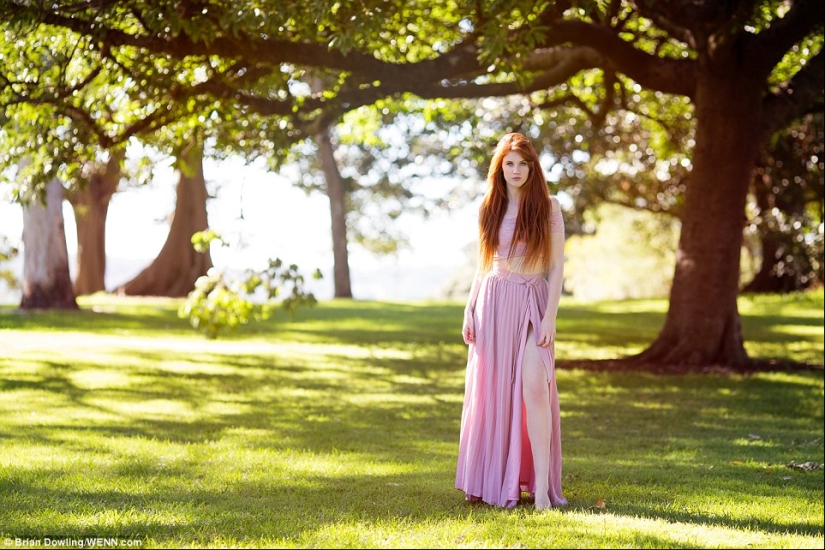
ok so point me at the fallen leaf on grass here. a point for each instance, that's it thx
(600, 504)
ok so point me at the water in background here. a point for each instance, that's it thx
(385, 279)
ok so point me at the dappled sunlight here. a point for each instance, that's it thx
(214, 367)
(64, 415)
(652, 405)
(754, 440)
(801, 351)
(796, 330)
(657, 306)
(614, 530)
(567, 350)
(174, 434)
(92, 379)
(365, 399)
(152, 409)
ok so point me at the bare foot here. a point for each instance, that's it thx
(543, 501)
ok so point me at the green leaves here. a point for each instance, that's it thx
(242, 72)
(220, 302)
(7, 252)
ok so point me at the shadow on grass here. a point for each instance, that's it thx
(145, 320)
(203, 446)
(619, 431)
(261, 391)
(628, 325)
(249, 511)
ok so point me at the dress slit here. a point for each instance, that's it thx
(495, 462)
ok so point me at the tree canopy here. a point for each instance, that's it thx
(720, 78)
(127, 67)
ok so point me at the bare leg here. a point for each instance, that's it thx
(536, 393)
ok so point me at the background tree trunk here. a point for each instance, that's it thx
(178, 265)
(774, 275)
(767, 279)
(703, 325)
(91, 207)
(338, 211)
(46, 280)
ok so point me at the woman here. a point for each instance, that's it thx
(510, 438)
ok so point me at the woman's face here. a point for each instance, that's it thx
(516, 169)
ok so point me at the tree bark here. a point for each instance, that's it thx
(703, 325)
(46, 280)
(338, 212)
(767, 280)
(178, 265)
(91, 207)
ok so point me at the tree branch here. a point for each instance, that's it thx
(254, 49)
(798, 97)
(768, 47)
(673, 76)
(565, 100)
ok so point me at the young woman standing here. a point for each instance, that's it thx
(510, 439)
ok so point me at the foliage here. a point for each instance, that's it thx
(621, 253)
(338, 428)
(7, 252)
(788, 201)
(219, 302)
(252, 69)
(390, 159)
(246, 72)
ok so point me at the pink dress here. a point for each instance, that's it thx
(495, 462)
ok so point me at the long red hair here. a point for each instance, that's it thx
(533, 222)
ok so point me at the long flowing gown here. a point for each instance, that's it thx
(495, 461)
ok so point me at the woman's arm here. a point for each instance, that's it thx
(468, 330)
(555, 275)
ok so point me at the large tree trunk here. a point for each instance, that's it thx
(703, 325)
(46, 280)
(178, 265)
(769, 278)
(91, 206)
(337, 205)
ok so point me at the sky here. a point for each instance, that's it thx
(278, 221)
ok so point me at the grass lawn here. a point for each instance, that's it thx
(339, 428)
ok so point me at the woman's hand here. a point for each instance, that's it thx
(547, 332)
(469, 329)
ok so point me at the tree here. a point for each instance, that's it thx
(787, 209)
(336, 191)
(178, 265)
(368, 166)
(91, 206)
(7, 252)
(46, 281)
(747, 67)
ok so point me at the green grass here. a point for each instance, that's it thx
(339, 428)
